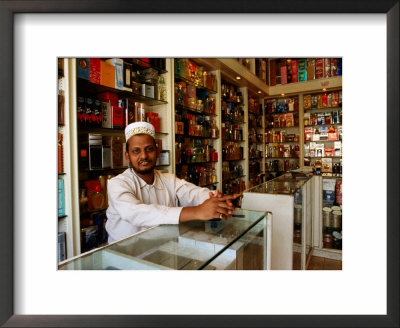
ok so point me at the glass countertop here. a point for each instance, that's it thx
(285, 184)
(188, 246)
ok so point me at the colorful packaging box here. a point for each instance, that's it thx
(61, 197)
(294, 71)
(118, 64)
(83, 68)
(319, 68)
(117, 116)
(95, 73)
(107, 74)
(272, 72)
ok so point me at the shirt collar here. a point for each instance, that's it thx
(157, 180)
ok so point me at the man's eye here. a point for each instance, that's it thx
(150, 149)
(136, 151)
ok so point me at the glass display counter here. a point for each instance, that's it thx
(289, 199)
(240, 243)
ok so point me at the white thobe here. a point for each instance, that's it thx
(134, 205)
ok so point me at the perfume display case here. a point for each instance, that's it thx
(243, 242)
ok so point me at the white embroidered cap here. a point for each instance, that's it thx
(139, 128)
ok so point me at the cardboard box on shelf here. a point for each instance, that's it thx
(107, 74)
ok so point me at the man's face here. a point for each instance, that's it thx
(142, 153)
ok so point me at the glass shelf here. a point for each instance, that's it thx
(232, 178)
(195, 163)
(139, 64)
(105, 169)
(316, 110)
(62, 173)
(234, 121)
(314, 125)
(233, 160)
(280, 142)
(198, 87)
(192, 110)
(195, 137)
(293, 112)
(87, 87)
(282, 157)
(111, 131)
(62, 217)
(284, 127)
(324, 157)
(322, 141)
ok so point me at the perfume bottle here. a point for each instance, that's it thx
(97, 198)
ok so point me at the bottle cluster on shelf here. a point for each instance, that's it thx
(197, 75)
(231, 170)
(199, 151)
(256, 173)
(291, 70)
(203, 176)
(235, 186)
(323, 100)
(232, 151)
(281, 165)
(282, 150)
(195, 125)
(231, 132)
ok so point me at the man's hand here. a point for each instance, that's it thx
(217, 206)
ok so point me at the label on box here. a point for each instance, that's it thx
(119, 72)
(83, 68)
(94, 70)
(117, 116)
(106, 115)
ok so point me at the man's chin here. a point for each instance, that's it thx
(144, 171)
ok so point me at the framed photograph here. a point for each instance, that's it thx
(35, 29)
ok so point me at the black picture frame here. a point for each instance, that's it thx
(7, 11)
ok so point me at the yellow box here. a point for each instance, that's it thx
(107, 76)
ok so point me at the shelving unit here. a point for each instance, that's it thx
(282, 134)
(256, 141)
(196, 123)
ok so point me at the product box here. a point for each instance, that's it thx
(95, 151)
(127, 70)
(329, 151)
(319, 150)
(80, 109)
(308, 133)
(83, 151)
(117, 152)
(89, 236)
(61, 247)
(110, 97)
(61, 197)
(326, 165)
(164, 158)
(315, 136)
(294, 71)
(328, 190)
(191, 91)
(302, 70)
(333, 135)
(149, 90)
(339, 67)
(89, 103)
(310, 69)
(283, 73)
(118, 64)
(99, 220)
(272, 72)
(60, 153)
(83, 68)
(323, 133)
(106, 115)
(107, 74)
(289, 120)
(117, 117)
(106, 158)
(327, 67)
(95, 67)
(306, 150)
(319, 68)
(179, 128)
(333, 66)
(307, 102)
(289, 70)
(96, 114)
(130, 110)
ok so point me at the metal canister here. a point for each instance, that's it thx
(337, 219)
(327, 218)
(335, 208)
(337, 240)
(297, 214)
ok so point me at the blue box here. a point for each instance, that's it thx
(83, 68)
(329, 197)
(61, 198)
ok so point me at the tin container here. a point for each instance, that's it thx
(337, 240)
(328, 241)
(297, 214)
(336, 219)
(327, 217)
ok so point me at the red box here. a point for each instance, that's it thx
(283, 74)
(109, 97)
(117, 117)
(319, 68)
(191, 90)
(332, 135)
(95, 72)
(272, 72)
(294, 70)
(308, 133)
